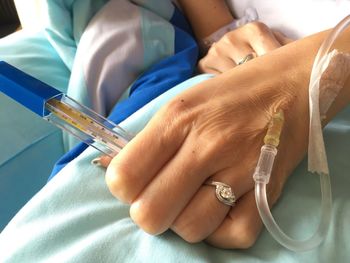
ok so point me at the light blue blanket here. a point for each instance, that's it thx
(26, 139)
(29, 146)
(54, 55)
(74, 218)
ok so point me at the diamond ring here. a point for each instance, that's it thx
(248, 57)
(223, 192)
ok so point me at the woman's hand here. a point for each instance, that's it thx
(253, 38)
(215, 130)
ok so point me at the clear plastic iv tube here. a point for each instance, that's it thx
(262, 176)
(86, 125)
(264, 167)
(279, 235)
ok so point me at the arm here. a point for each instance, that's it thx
(203, 133)
(211, 15)
(206, 16)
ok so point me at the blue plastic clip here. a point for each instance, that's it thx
(25, 89)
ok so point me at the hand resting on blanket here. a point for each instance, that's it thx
(215, 130)
(254, 38)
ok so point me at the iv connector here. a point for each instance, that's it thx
(264, 167)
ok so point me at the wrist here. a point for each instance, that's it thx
(206, 42)
(305, 56)
(200, 16)
(297, 124)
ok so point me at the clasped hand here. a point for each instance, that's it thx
(212, 130)
(253, 38)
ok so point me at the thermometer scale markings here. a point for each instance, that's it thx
(85, 124)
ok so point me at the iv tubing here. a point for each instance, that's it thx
(264, 167)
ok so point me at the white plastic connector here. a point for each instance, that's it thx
(265, 163)
(317, 161)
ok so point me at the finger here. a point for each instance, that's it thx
(217, 59)
(265, 41)
(240, 55)
(156, 208)
(217, 64)
(241, 227)
(281, 38)
(205, 212)
(139, 161)
(209, 71)
(236, 51)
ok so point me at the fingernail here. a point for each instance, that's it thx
(96, 161)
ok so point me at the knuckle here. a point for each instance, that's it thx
(175, 109)
(214, 51)
(189, 232)
(194, 237)
(177, 114)
(144, 216)
(239, 240)
(211, 149)
(117, 185)
(246, 236)
(202, 65)
(174, 121)
(246, 241)
(257, 27)
(228, 38)
(243, 234)
(214, 147)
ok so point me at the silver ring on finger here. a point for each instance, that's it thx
(223, 192)
(248, 57)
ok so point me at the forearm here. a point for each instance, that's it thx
(307, 49)
(297, 59)
(284, 75)
(206, 16)
(343, 97)
(305, 52)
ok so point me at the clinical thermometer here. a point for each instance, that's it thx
(63, 111)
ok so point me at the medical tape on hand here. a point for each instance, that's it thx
(334, 70)
(333, 79)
